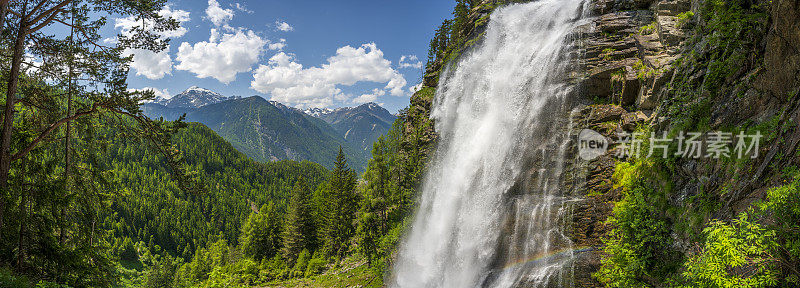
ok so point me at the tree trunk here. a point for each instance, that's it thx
(8, 114)
(23, 208)
(23, 219)
(3, 12)
(68, 138)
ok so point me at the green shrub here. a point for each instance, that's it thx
(746, 253)
(315, 265)
(647, 29)
(638, 246)
(8, 279)
(684, 18)
(741, 246)
(301, 264)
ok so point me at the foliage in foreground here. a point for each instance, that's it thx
(760, 248)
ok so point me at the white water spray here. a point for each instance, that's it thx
(499, 104)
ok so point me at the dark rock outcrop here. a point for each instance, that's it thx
(628, 52)
(782, 54)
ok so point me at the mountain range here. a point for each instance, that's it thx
(269, 131)
(360, 125)
(194, 97)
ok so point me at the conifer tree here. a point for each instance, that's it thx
(101, 68)
(382, 202)
(260, 233)
(342, 205)
(298, 229)
(439, 44)
(368, 231)
(399, 199)
(459, 28)
(378, 186)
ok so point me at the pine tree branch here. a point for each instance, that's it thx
(85, 35)
(47, 14)
(50, 130)
(38, 6)
(46, 22)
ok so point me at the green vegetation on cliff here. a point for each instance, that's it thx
(698, 223)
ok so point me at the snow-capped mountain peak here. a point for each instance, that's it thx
(324, 112)
(194, 97)
(197, 89)
(372, 105)
(159, 100)
(318, 112)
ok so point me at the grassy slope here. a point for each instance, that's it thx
(352, 272)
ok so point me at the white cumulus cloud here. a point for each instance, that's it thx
(283, 26)
(410, 61)
(242, 8)
(160, 93)
(366, 98)
(396, 84)
(277, 45)
(153, 65)
(289, 82)
(218, 15)
(223, 56)
(415, 88)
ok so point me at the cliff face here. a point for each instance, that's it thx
(692, 66)
(627, 58)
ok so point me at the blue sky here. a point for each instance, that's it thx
(309, 53)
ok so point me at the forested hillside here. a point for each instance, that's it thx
(266, 132)
(152, 208)
(98, 195)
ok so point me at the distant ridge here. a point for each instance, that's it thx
(361, 125)
(194, 97)
(264, 130)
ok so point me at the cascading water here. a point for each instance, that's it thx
(501, 103)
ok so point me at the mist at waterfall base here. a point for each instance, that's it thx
(502, 102)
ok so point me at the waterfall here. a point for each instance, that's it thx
(502, 103)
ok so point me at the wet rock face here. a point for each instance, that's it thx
(598, 192)
(629, 50)
(605, 6)
(626, 58)
(605, 113)
(620, 58)
(782, 54)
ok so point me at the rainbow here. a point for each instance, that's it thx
(549, 255)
